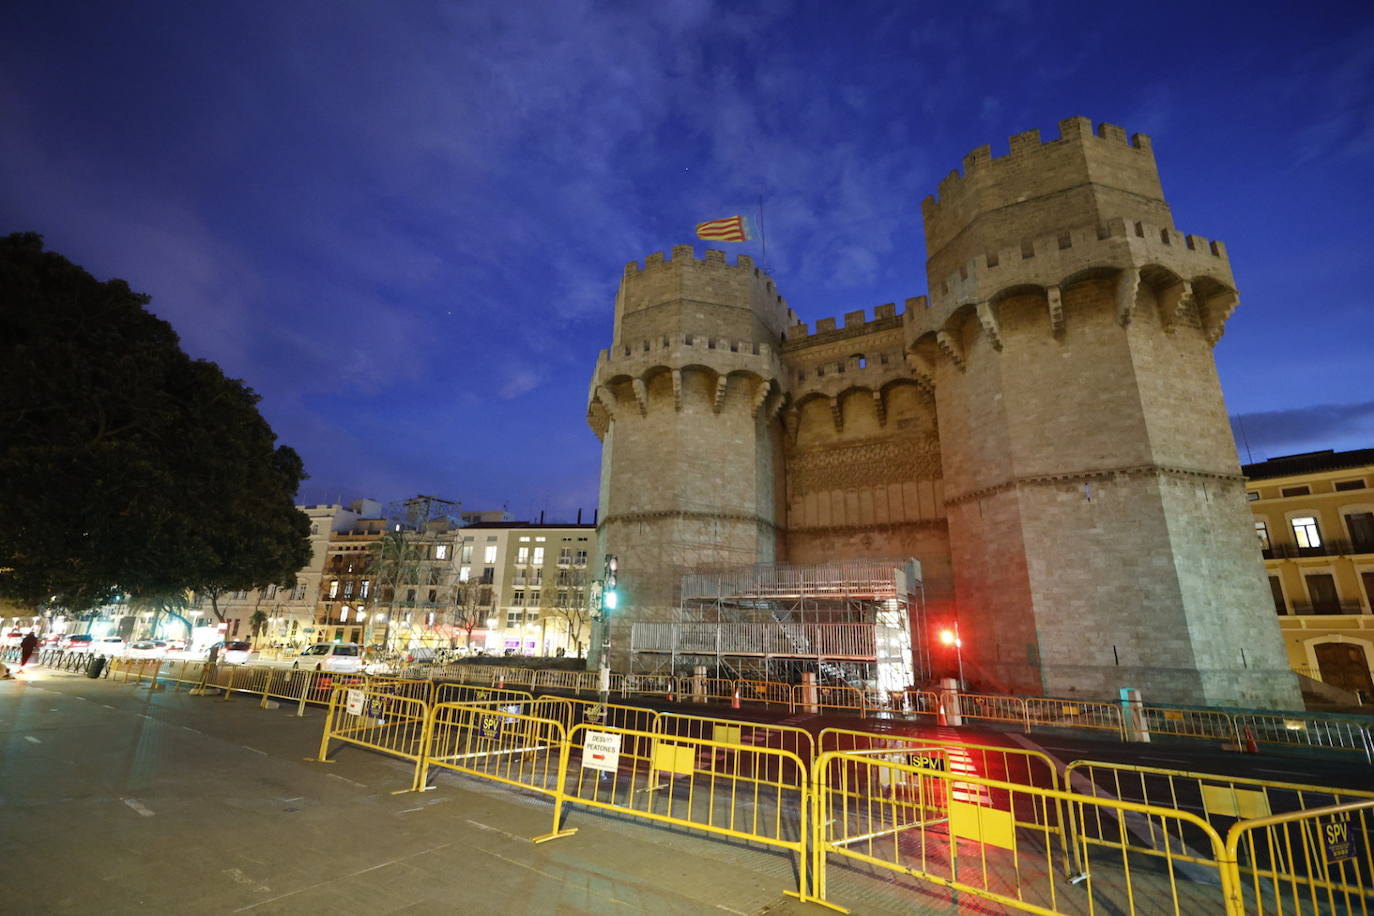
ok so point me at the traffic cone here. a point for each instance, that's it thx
(1251, 746)
(941, 719)
(734, 702)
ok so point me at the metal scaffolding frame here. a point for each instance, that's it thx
(852, 623)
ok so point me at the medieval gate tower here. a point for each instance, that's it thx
(1045, 433)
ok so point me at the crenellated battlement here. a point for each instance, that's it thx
(1028, 144)
(1058, 256)
(685, 342)
(685, 255)
(855, 323)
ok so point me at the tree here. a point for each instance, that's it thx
(471, 605)
(125, 465)
(573, 612)
(258, 622)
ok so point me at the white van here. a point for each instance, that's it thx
(340, 657)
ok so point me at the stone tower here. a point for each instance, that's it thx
(686, 404)
(1045, 432)
(1096, 511)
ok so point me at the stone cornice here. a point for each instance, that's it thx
(929, 523)
(1139, 470)
(631, 517)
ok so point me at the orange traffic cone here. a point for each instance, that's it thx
(734, 702)
(1251, 746)
(941, 719)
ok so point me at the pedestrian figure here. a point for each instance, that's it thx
(26, 647)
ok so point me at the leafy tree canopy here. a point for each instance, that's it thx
(125, 465)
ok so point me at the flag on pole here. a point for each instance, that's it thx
(730, 229)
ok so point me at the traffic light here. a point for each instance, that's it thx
(610, 597)
(950, 638)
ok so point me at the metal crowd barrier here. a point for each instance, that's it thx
(378, 720)
(1315, 861)
(996, 840)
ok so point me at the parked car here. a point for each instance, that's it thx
(146, 648)
(340, 657)
(77, 642)
(109, 645)
(235, 652)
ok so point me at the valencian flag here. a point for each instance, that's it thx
(730, 229)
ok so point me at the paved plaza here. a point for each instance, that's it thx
(120, 800)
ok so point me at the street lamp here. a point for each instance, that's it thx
(950, 637)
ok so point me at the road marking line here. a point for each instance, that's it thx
(32, 738)
(498, 855)
(333, 880)
(107, 705)
(1283, 772)
(254, 750)
(481, 826)
(721, 906)
(193, 731)
(138, 806)
(144, 715)
(345, 779)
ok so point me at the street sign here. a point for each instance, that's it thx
(1339, 842)
(601, 751)
(356, 701)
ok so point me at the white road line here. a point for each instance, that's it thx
(144, 715)
(107, 705)
(194, 731)
(138, 806)
(32, 738)
(423, 852)
(721, 906)
(487, 827)
(253, 749)
(1281, 772)
(345, 779)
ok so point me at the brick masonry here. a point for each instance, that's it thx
(1045, 432)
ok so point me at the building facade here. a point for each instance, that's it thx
(1314, 519)
(1044, 432)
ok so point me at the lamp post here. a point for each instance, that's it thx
(950, 637)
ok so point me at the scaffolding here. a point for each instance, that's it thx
(850, 623)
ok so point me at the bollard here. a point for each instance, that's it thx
(1133, 724)
(809, 692)
(949, 700)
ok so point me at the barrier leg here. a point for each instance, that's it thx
(228, 694)
(153, 685)
(323, 756)
(558, 798)
(266, 688)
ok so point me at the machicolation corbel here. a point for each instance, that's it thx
(1055, 301)
(988, 320)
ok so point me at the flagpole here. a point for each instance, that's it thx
(763, 235)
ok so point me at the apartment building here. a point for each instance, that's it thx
(1314, 519)
(539, 577)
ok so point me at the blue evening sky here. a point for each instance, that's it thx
(403, 223)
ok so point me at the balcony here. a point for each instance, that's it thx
(1344, 606)
(1334, 547)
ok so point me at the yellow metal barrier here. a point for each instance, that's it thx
(1091, 714)
(993, 708)
(991, 761)
(1189, 723)
(393, 725)
(469, 693)
(970, 834)
(653, 685)
(812, 698)
(771, 693)
(796, 741)
(1220, 799)
(1295, 729)
(1315, 861)
(749, 793)
(415, 688)
(921, 703)
(494, 743)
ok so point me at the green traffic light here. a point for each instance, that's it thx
(609, 600)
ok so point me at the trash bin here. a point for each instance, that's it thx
(95, 666)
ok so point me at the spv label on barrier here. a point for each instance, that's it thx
(601, 751)
(1340, 843)
(356, 701)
